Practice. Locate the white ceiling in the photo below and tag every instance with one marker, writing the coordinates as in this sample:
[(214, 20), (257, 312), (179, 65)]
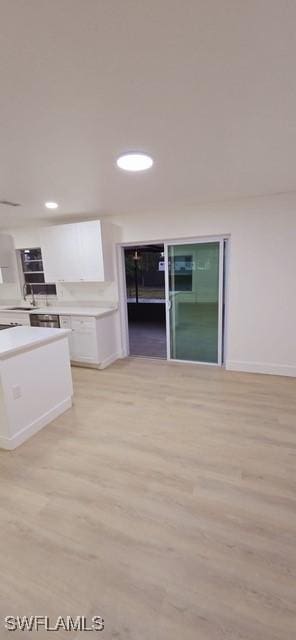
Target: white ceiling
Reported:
[(206, 86)]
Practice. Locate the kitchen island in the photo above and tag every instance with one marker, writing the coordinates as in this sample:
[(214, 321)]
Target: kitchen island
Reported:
[(35, 381)]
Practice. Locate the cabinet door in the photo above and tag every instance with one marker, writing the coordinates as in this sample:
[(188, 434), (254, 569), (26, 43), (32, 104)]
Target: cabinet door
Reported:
[(6, 275), (61, 253), (84, 340), (65, 323), (74, 252), (7, 259), (91, 253)]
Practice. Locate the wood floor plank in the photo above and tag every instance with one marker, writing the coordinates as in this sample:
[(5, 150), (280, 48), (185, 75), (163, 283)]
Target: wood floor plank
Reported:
[(164, 500)]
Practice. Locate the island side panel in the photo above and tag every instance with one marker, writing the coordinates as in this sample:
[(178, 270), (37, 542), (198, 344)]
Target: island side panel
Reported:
[(36, 387), (4, 423), (107, 328)]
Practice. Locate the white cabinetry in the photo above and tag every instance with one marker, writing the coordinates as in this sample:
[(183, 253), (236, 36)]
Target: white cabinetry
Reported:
[(92, 264), (7, 259), (93, 340), (80, 252), (84, 337), (59, 247)]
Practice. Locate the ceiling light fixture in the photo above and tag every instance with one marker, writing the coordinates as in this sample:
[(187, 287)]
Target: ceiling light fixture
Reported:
[(134, 161), (51, 205)]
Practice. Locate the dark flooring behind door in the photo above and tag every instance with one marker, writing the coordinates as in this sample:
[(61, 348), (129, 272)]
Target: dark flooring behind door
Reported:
[(145, 288), (147, 331)]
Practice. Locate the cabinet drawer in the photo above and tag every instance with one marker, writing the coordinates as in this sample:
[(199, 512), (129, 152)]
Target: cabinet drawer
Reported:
[(65, 322), (80, 323)]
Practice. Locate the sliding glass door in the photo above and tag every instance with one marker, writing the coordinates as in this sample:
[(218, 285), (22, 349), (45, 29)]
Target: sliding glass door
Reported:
[(194, 301)]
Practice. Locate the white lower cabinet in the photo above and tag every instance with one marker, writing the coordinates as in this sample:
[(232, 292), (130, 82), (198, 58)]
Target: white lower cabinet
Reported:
[(93, 340), (84, 339)]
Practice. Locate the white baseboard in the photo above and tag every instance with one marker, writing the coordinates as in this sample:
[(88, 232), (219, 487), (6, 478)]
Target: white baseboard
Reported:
[(262, 367), (96, 365), (25, 433), (105, 363)]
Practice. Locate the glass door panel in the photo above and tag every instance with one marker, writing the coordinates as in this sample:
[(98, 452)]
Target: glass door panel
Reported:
[(193, 290)]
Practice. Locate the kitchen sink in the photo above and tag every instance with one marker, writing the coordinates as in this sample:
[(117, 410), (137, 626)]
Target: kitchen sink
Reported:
[(20, 309)]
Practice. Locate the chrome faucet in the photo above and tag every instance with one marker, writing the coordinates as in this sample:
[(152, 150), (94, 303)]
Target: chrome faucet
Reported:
[(25, 293)]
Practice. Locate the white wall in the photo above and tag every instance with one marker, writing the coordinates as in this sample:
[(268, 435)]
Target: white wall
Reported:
[(26, 237), (262, 272)]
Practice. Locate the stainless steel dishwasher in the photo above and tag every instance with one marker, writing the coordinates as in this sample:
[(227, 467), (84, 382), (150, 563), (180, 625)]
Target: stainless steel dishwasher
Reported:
[(45, 320)]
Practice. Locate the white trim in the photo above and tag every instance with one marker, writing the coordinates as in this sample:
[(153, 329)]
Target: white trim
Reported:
[(220, 301), (97, 365), (226, 292), (167, 302), (220, 240), (122, 301), (204, 364), (28, 431), (186, 240), (105, 363), (262, 367)]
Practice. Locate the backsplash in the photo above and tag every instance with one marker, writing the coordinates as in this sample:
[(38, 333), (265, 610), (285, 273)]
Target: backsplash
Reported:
[(97, 292)]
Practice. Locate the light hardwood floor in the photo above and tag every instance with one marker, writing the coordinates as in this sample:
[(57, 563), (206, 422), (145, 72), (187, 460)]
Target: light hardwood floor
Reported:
[(164, 501)]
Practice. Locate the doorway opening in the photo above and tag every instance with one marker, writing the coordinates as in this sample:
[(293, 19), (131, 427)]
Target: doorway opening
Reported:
[(146, 300)]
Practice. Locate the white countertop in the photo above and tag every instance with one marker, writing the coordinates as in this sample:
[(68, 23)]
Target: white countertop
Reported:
[(75, 311), (19, 339), (94, 312)]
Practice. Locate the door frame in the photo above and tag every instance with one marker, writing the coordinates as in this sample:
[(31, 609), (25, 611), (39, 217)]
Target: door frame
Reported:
[(223, 239)]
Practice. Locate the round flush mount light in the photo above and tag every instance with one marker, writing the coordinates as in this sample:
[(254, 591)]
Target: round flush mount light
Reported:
[(134, 161), (51, 205)]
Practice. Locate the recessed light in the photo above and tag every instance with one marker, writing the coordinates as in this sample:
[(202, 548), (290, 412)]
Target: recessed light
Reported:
[(134, 161), (51, 205)]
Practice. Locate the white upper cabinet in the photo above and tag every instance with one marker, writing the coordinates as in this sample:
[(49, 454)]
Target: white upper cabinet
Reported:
[(91, 252), (7, 259), (59, 247), (80, 252)]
